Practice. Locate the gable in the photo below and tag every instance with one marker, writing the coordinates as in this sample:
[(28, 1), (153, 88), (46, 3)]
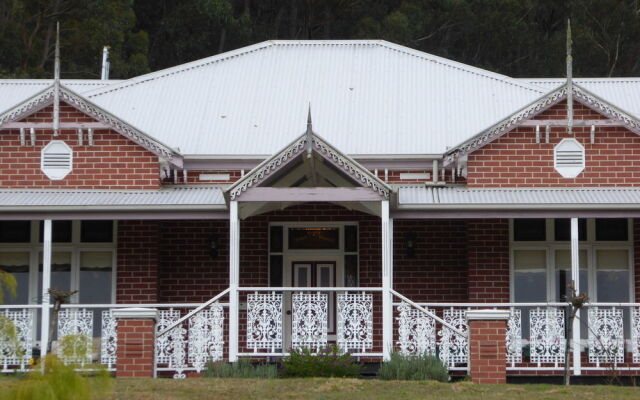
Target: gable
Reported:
[(524, 158), (107, 160)]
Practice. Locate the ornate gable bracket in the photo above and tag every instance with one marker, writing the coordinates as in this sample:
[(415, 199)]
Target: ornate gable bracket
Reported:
[(46, 98), (299, 146), (580, 94), (487, 136)]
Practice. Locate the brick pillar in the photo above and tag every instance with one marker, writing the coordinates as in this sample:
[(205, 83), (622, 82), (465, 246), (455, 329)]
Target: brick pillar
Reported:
[(487, 345), (136, 342)]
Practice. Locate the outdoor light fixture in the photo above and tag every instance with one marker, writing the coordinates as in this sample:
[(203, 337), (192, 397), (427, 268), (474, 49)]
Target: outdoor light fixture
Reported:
[(410, 240), (213, 247)]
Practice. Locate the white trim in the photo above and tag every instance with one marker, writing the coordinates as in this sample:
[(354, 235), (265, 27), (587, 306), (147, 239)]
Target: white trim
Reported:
[(488, 315), (136, 313)]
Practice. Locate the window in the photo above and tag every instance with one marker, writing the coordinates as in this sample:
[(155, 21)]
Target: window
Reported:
[(541, 259), (76, 264), (314, 238), (569, 158), (56, 160)]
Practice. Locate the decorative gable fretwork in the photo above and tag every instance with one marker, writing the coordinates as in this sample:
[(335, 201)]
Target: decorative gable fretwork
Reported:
[(46, 98), (579, 94), (320, 146)]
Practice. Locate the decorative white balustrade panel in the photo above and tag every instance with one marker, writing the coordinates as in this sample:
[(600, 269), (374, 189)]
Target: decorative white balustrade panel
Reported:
[(75, 336), (108, 339), (606, 335), (264, 321), (165, 344), (454, 349), (514, 337), (309, 323), (635, 334), (547, 341), (416, 331), (16, 337), (355, 322), (206, 336)]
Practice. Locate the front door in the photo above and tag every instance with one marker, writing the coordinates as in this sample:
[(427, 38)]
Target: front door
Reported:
[(314, 274)]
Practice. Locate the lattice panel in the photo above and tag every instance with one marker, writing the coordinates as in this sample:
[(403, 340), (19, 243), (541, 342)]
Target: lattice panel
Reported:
[(264, 321), (165, 344), (547, 339), (416, 331), (606, 335), (309, 323), (454, 349), (108, 339), (514, 337), (16, 351), (635, 334), (206, 336), (355, 321), (75, 336)]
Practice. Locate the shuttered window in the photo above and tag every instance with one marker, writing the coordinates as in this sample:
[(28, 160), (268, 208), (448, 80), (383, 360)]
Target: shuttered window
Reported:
[(569, 158), (57, 160)]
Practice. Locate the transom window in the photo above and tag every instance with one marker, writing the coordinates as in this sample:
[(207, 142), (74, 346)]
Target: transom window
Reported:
[(541, 259), (83, 259)]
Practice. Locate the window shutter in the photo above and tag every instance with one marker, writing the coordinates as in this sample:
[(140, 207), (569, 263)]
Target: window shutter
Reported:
[(569, 158), (57, 160)]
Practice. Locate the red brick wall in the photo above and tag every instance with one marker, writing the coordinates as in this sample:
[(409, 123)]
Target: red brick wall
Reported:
[(137, 270), (136, 344), (488, 255), (438, 272), (113, 162), (487, 351), (187, 272), (516, 160)]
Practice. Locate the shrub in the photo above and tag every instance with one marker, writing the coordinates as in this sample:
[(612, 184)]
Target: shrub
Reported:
[(329, 362), (243, 368), (413, 368), (61, 382), (9, 337)]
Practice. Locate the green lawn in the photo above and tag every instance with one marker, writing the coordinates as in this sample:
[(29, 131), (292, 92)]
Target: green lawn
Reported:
[(352, 389)]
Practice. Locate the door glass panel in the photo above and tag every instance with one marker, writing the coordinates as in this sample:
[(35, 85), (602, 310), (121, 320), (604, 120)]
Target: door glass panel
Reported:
[(530, 275), (325, 275), (60, 272), (351, 270), (17, 264), (302, 275), (612, 275)]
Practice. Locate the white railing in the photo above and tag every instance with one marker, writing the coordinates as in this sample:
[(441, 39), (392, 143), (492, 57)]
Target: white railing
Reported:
[(270, 331)]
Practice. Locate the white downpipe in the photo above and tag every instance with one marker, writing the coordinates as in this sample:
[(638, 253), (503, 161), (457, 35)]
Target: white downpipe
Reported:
[(387, 281), (234, 280), (575, 277), (46, 284)]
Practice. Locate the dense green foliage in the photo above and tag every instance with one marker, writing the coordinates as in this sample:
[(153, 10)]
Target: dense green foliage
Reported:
[(60, 382), (330, 362), (513, 37), (414, 368), (243, 368)]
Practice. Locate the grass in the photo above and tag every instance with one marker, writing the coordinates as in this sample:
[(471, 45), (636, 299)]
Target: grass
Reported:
[(356, 389)]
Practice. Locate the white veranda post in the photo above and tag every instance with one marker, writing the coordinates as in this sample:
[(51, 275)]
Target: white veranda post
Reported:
[(387, 281), (46, 284), (234, 279), (575, 278)]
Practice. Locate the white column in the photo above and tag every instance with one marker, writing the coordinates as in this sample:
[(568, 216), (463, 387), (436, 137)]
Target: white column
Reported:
[(234, 279), (46, 284), (575, 278), (387, 281)]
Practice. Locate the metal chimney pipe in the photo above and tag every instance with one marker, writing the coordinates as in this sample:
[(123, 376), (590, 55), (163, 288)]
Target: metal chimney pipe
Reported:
[(105, 63)]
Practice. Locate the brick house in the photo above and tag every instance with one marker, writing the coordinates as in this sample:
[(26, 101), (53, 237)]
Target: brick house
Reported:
[(301, 194)]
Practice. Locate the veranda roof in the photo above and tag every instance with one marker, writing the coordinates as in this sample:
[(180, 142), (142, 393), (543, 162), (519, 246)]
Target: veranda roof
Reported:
[(167, 199), (440, 198)]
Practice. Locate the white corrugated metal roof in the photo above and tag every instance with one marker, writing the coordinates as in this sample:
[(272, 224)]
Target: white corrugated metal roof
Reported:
[(440, 197), (167, 198), (13, 91), (367, 97), (623, 92)]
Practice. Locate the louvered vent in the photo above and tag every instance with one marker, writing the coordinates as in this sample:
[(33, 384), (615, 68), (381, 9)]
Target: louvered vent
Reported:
[(57, 160), (569, 158)]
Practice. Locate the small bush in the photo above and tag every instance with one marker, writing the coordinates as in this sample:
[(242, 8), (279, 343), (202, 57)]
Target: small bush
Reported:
[(329, 362), (243, 368), (413, 368), (61, 382)]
